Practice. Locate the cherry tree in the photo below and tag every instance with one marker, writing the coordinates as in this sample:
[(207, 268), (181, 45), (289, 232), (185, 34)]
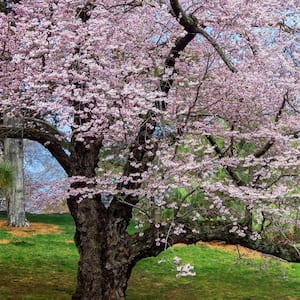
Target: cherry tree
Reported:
[(180, 114)]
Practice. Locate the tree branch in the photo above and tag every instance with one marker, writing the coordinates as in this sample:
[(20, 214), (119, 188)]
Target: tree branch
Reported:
[(229, 170), (138, 149), (190, 24), (45, 126), (49, 141), (145, 246), (270, 143), (218, 49), (278, 178), (285, 27)]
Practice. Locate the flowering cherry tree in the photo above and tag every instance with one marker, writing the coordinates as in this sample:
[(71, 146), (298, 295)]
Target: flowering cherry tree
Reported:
[(180, 114)]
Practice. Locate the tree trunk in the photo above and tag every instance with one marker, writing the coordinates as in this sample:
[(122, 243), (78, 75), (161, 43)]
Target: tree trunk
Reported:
[(104, 267), (3, 205), (13, 149)]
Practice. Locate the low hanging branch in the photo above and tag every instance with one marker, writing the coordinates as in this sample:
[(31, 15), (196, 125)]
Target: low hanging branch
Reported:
[(54, 144), (206, 231)]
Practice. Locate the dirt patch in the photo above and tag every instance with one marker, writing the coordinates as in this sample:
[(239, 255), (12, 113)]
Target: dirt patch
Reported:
[(179, 245), (3, 242), (237, 249), (69, 241), (35, 228)]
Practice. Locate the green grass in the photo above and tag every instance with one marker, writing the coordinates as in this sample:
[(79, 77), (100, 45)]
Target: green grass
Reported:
[(41, 266), (44, 267)]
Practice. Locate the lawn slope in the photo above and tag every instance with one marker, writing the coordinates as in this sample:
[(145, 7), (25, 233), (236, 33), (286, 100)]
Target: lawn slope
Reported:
[(42, 265)]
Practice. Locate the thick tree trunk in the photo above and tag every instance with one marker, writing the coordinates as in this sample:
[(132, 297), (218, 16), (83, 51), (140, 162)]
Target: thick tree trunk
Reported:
[(13, 149), (104, 267)]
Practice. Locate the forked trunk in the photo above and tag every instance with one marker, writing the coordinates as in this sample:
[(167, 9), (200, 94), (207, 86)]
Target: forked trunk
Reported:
[(102, 242)]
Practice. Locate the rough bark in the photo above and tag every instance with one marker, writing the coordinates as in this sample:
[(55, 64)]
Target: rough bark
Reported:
[(103, 244), (101, 238)]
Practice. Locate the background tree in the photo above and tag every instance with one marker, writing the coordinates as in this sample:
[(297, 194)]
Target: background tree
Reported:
[(6, 176), (15, 198), (178, 98), (6, 181)]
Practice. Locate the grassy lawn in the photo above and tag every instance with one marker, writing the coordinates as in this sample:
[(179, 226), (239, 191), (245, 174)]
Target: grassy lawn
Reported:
[(44, 267)]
